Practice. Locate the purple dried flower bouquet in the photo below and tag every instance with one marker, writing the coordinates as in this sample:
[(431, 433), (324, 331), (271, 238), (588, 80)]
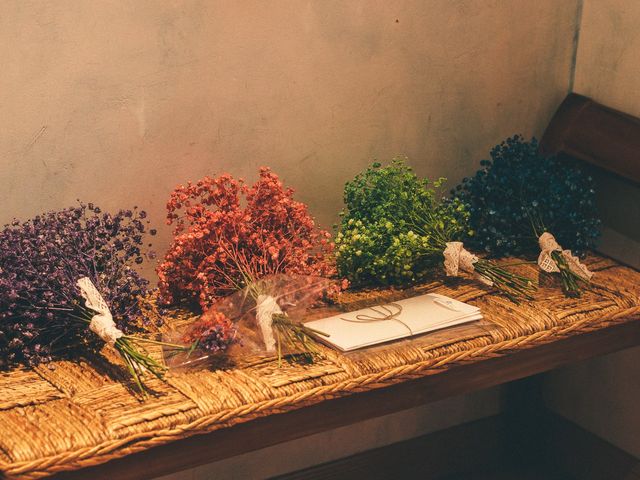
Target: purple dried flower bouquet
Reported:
[(65, 274)]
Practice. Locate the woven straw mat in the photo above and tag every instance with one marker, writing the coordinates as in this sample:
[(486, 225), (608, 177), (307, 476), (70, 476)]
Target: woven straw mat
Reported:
[(70, 415)]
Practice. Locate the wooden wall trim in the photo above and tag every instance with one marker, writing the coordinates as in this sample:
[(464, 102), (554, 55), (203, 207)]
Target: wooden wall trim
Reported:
[(594, 133)]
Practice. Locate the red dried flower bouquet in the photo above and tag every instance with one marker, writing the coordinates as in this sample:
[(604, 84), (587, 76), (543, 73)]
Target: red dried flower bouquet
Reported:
[(257, 241), (228, 235)]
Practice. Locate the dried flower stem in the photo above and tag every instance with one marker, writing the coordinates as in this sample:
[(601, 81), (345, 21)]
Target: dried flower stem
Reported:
[(138, 362), (294, 335), (513, 286), (135, 358), (571, 282)]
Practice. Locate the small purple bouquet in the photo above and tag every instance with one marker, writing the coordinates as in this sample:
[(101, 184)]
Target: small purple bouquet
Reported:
[(67, 286)]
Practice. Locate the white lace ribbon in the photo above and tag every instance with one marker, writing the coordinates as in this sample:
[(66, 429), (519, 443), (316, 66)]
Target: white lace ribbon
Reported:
[(102, 323), (457, 258), (549, 244), (266, 308)]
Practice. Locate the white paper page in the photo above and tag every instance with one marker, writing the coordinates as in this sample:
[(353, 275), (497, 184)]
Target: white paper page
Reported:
[(416, 315)]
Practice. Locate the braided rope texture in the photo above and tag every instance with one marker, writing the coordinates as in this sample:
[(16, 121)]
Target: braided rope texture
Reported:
[(70, 415)]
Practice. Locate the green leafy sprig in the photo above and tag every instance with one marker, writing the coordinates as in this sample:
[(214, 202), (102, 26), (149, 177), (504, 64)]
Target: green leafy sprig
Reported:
[(395, 227)]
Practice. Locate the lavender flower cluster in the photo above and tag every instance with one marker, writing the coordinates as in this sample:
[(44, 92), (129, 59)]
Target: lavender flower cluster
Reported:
[(42, 313)]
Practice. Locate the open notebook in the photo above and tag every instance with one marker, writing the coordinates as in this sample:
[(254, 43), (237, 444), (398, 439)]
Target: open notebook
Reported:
[(392, 321)]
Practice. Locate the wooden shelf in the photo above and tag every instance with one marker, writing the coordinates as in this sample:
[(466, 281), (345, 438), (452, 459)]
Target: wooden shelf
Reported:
[(274, 429)]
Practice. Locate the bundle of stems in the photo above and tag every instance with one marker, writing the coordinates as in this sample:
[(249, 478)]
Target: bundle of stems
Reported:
[(436, 234), (247, 323), (572, 283), (138, 361), (132, 350), (291, 335)]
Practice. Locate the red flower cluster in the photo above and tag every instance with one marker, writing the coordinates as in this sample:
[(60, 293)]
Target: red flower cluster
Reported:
[(213, 333), (228, 235)]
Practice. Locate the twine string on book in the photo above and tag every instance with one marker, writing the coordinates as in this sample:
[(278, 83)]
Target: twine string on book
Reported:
[(389, 311), (548, 245), (101, 323)]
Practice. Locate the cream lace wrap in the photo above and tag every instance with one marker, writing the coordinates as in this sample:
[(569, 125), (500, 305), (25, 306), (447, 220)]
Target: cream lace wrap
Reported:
[(102, 323), (266, 308), (457, 258), (549, 244)]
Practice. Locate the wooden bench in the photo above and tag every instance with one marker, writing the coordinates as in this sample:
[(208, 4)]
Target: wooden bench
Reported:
[(79, 421)]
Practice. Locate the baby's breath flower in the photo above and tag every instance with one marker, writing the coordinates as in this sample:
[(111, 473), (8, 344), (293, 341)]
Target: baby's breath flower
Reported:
[(233, 232), (521, 193), (405, 250), (520, 185), (41, 260), (383, 227)]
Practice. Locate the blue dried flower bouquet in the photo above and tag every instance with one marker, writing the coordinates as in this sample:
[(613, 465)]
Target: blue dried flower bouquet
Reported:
[(521, 200)]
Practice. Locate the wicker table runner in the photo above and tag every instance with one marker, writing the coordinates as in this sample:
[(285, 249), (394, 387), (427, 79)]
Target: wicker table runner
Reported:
[(72, 415)]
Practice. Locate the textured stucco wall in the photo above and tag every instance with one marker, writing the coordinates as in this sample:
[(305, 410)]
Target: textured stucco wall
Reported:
[(608, 60), (117, 102), (602, 394)]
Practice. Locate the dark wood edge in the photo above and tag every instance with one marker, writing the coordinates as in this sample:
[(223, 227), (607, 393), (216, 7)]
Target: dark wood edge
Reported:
[(594, 133), (277, 428), (553, 138)]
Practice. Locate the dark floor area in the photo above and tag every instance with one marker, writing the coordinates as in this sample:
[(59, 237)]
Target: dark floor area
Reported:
[(512, 474), (526, 442)]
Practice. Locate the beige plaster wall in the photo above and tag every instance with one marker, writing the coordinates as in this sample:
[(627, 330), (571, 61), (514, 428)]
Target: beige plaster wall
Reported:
[(608, 60), (117, 102), (602, 394)]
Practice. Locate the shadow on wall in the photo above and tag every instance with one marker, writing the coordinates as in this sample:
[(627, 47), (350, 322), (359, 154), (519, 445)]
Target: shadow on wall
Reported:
[(619, 208)]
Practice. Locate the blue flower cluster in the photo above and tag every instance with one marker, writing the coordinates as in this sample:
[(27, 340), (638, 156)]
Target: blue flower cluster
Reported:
[(519, 192)]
